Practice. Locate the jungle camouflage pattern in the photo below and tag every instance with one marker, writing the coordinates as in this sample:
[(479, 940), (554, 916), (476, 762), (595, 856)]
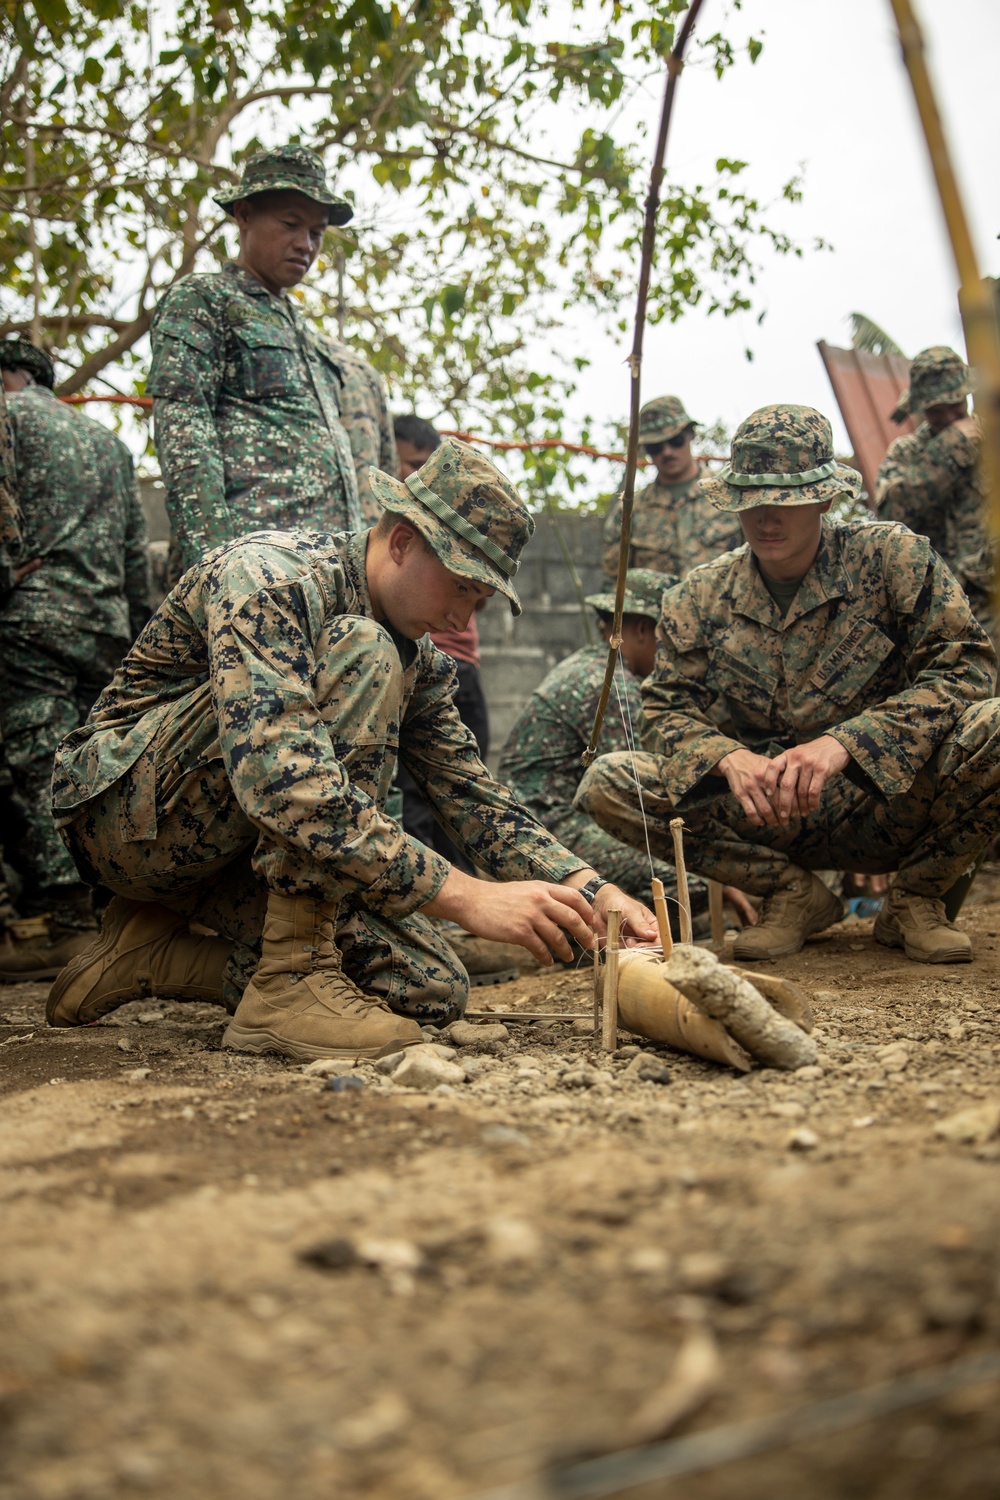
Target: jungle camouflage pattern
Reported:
[(773, 450), (11, 522), (930, 482), (675, 528), (248, 669), (938, 377), (291, 168), (80, 514), (663, 417), (247, 408), (364, 412), (879, 649), (541, 762)]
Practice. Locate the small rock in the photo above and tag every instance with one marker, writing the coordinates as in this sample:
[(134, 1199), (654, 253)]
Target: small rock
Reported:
[(803, 1139), (703, 1270), (421, 1069), (468, 1033), (971, 1127), (648, 1069), (787, 1109), (810, 1074), (582, 1028), (388, 1065), (629, 1050), (512, 1242), (138, 1075), (343, 1083), (323, 1067), (149, 1017), (649, 1260), (579, 1078), (124, 1045), (331, 1255), (503, 1135), (827, 997)]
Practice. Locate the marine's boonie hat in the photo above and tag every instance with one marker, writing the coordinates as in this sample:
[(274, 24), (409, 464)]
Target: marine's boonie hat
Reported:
[(663, 418), (470, 513), (644, 590), (21, 354), (286, 168), (781, 455), (938, 377)]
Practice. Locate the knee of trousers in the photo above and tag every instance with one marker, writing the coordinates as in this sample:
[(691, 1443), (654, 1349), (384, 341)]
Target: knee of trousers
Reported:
[(608, 789)]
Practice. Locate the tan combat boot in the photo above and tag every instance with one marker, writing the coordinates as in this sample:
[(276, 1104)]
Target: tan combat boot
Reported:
[(800, 906), (301, 1003), (919, 925), (37, 948), (141, 950)]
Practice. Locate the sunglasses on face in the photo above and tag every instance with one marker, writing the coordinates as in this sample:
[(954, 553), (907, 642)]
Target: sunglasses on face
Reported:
[(677, 441)]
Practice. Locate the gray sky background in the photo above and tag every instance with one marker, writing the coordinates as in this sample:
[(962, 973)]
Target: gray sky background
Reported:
[(829, 91)]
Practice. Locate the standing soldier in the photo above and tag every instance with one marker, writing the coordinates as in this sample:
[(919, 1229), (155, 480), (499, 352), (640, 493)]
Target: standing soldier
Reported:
[(247, 402), (365, 415), (65, 623), (929, 479), (674, 526)]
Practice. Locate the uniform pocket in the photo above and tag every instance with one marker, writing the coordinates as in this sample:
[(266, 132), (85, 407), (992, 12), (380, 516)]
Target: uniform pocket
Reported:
[(847, 668), (744, 683), (269, 362)]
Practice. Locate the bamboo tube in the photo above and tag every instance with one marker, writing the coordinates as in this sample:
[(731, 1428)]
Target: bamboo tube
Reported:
[(650, 1006), (662, 920), (609, 1028), (683, 894), (715, 911)]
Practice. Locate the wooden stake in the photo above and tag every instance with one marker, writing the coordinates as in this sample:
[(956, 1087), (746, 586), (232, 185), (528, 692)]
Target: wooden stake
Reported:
[(597, 988), (662, 920), (684, 895), (715, 911), (609, 1029)]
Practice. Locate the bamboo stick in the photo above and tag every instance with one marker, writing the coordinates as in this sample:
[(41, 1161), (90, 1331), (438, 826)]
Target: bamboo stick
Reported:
[(683, 893), (662, 919), (609, 1029), (715, 911)]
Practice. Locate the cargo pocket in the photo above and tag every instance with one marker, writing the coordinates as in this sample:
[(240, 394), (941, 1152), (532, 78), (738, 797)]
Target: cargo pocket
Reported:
[(850, 667), (745, 686), (181, 348), (269, 362)]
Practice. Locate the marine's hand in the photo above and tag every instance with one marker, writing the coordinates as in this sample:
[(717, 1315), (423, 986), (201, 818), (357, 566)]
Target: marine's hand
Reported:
[(745, 773), (969, 425), (736, 898), (638, 922), (535, 913), (794, 780)]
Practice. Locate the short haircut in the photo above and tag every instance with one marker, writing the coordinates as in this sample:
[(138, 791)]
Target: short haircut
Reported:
[(409, 428), (390, 518)]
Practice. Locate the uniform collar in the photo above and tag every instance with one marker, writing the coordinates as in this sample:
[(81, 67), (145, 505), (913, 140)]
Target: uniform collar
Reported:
[(248, 283), (826, 579), (353, 558)]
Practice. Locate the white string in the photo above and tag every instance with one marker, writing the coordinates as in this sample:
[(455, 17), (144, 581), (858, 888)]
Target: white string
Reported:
[(625, 714)]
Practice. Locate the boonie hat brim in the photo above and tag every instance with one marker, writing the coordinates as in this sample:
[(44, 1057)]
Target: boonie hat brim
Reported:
[(666, 430), (341, 212), (457, 556), (728, 496), (605, 603)]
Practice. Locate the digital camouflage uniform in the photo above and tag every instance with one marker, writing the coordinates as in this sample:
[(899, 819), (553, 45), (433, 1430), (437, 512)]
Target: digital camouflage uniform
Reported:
[(674, 526), (365, 415), (247, 400), (930, 481), (10, 551), (65, 627), (542, 761), (247, 745), (879, 649)]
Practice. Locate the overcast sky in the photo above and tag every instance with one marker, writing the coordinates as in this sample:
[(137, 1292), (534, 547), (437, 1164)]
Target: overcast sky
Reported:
[(830, 91)]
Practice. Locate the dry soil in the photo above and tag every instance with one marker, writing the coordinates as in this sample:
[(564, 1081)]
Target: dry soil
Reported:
[(225, 1280)]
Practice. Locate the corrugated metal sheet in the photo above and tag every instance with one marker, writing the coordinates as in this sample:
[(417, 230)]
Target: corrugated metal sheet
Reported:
[(867, 387)]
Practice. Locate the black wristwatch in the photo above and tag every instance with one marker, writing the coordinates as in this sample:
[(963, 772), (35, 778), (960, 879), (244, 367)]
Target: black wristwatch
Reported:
[(592, 887)]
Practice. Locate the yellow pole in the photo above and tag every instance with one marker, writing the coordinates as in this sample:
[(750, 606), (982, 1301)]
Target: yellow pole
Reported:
[(976, 299)]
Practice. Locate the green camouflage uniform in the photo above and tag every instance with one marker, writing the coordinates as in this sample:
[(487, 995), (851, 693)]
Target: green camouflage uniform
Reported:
[(930, 481), (542, 759), (64, 628), (247, 400), (674, 526), (10, 551), (248, 744), (879, 649), (365, 415)]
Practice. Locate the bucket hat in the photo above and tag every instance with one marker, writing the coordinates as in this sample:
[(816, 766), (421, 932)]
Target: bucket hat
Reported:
[(662, 418), (781, 455), (644, 590), (470, 514), (938, 376), (21, 354), (288, 167)]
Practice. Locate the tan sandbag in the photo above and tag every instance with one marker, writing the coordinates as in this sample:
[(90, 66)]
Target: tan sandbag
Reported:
[(730, 999), (650, 1006)]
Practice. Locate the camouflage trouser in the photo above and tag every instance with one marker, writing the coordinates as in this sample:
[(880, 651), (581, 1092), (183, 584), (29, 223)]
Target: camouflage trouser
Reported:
[(209, 860), (51, 682), (931, 834)]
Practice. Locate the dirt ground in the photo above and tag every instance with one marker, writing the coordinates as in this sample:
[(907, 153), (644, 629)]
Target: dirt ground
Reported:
[(223, 1278)]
